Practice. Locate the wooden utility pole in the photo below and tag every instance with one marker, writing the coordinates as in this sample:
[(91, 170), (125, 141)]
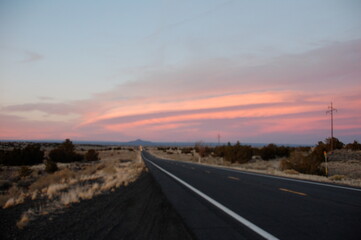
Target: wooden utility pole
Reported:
[(219, 139), (330, 111)]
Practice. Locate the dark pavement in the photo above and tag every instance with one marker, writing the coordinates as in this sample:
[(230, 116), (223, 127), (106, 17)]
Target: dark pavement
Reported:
[(281, 207)]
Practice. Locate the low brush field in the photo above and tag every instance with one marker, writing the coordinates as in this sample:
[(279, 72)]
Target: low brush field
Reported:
[(112, 198)]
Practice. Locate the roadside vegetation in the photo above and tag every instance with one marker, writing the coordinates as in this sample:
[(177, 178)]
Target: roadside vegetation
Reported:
[(56, 176), (302, 162)]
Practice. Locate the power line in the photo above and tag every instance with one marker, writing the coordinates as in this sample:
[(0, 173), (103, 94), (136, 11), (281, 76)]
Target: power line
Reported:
[(330, 111)]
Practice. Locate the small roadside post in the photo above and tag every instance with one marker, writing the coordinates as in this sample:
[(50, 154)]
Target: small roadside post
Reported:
[(325, 154), (139, 153)]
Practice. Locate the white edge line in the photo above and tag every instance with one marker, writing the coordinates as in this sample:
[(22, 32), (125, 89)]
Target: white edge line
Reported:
[(240, 219)]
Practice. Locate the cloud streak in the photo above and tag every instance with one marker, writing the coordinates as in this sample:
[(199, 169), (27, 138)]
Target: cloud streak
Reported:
[(49, 108), (31, 57)]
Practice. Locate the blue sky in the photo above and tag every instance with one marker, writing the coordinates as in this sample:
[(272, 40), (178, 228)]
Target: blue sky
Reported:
[(71, 55)]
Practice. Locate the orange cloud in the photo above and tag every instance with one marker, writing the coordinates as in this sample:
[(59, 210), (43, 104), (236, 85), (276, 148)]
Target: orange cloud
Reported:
[(195, 104), (230, 114)]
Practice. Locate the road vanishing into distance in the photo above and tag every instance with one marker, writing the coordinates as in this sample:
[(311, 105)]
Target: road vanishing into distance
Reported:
[(221, 203)]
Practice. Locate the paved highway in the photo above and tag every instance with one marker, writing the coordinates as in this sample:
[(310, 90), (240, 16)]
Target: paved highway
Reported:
[(220, 203)]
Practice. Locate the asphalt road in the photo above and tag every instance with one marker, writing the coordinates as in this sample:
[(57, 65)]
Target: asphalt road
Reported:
[(220, 203)]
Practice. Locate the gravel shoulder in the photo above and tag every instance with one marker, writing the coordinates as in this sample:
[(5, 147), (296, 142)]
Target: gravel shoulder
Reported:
[(137, 211)]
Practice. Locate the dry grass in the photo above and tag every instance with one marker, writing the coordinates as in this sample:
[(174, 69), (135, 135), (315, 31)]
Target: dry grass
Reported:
[(73, 182), (337, 177), (24, 220), (62, 175), (348, 168), (291, 171)]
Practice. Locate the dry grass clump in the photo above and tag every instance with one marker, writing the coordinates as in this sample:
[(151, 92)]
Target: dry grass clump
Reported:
[(53, 189), (24, 219), (14, 196), (291, 171), (92, 169), (337, 177), (57, 177)]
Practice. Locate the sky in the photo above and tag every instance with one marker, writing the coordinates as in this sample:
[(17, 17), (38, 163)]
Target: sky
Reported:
[(182, 71)]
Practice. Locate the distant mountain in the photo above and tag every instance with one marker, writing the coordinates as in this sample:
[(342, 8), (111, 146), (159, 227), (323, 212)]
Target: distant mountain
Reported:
[(139, 142)]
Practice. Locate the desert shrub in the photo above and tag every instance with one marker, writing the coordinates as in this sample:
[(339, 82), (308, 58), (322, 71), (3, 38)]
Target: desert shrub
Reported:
[(239, 153), (318, 152), (65, 153), (186, 150), (337, 144), (310, 163), (200, 149), (33, 154), (67, 146), (243, 153), (57, 155), (30, 155), (24, 171), (355, 146), (236, 153), (269, 152), (283, 151), (2, 156), (303, 163), (4, 185), (272, 151), (12, 158), (203, 150), (220, 151), (50, 166), (91, 155)]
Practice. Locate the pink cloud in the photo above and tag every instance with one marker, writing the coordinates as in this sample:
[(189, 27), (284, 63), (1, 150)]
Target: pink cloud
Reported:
[(13, 127)]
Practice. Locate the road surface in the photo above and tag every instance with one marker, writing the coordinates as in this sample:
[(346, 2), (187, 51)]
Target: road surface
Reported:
[(220, 203)]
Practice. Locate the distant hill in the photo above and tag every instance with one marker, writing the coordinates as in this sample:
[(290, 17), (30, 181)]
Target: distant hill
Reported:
[(139, 142)]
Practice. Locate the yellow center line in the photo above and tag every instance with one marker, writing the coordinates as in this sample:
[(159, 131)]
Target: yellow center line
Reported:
[(290, 191), (234, 178)]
